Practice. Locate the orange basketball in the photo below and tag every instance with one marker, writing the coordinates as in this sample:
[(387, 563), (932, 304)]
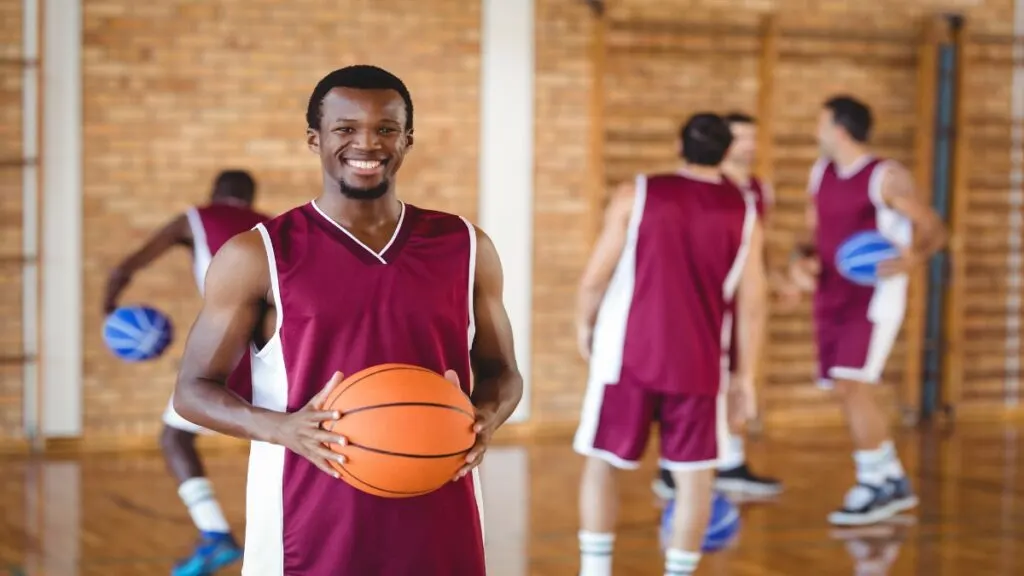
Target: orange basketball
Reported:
[(408, 430)]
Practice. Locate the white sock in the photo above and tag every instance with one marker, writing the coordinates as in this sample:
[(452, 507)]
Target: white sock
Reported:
[(733, 455), (893, 467), (871, 465), (197, 494), (596, 553), (680, 563)]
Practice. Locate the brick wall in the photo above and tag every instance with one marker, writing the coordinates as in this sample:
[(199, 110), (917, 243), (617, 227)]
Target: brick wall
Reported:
[(10, 219), (175, 91)]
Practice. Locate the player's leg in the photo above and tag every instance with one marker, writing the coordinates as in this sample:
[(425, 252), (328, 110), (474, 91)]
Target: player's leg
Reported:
[(692, 427), (216, 547), (883, 489), (614, 425), (734, 474)]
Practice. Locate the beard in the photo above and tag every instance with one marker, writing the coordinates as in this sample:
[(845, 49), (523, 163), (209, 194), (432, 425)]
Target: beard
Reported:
[(371, 193)]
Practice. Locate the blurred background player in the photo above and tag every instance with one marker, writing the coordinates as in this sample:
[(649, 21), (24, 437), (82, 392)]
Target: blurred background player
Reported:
[(203, 229), (651, 317), (856, 326), (734, 475)]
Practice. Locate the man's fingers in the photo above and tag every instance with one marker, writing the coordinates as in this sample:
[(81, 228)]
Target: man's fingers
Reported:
[(321, 396), (453, 377), (325, 437)]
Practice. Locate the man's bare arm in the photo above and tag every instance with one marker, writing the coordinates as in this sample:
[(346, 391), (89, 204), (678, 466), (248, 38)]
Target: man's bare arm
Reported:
[(176, 232), (601, 266), (498, 384), (752, 306), (899, 193), (237, 283)]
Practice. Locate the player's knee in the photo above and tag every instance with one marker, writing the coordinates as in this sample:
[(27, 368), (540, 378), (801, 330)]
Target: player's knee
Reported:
[(173, 440), (848, 390), (597, 470)]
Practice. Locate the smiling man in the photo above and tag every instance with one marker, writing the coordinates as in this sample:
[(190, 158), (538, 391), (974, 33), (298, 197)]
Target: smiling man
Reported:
[(350, 280)]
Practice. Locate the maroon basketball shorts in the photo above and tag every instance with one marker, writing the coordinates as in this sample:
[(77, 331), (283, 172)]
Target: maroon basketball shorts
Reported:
[(851, 346), (616, 419)]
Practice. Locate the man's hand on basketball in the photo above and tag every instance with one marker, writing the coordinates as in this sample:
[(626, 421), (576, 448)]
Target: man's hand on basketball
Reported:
[(302, 431), (484, 426), (906, 262)]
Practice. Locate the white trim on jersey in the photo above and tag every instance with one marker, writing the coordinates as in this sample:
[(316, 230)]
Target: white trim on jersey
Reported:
[(732, 279), (377, 255), (609, 337), (817, 174), (470, 337), (201, 256), (264, 498), (883, 337)]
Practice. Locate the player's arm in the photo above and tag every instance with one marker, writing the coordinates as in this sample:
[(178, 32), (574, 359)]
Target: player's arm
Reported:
[(602, 263), (497, 383), (236, 298), (752, 315), (237, 283), (175, 232), (803, 261), (898, 192)]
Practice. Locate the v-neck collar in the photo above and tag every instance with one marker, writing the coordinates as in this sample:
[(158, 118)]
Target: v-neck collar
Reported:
[(357, 246)]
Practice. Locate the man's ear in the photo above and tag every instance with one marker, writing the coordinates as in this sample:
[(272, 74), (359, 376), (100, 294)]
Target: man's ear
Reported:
[(313, 140)]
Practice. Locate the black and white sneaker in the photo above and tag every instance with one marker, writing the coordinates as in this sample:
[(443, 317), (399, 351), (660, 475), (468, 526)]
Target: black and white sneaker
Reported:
[(742, 480), (664, 486), (865, 504), (903, 497)]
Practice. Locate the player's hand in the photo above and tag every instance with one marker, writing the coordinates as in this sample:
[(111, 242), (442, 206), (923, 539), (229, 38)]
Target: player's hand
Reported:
[(803, 273), (742, 401), (116, 284), (484, 426), (584, 340), (904, 263), (302, 431)]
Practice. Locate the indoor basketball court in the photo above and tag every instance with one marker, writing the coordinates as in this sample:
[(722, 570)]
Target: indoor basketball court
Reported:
[(118, 115)]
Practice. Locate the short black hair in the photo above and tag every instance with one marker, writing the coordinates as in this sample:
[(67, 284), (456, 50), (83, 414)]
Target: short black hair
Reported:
[(852, 114), (738, 118), (706, 138), (235, 184), (360, 77)]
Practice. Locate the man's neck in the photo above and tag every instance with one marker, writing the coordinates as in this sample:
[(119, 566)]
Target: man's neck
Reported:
[(737, 173), (710, 173), (354, 213), (847, 156)]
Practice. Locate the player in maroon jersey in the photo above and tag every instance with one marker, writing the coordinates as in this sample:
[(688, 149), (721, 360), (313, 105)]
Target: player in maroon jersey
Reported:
[(203, 229), (352, 279), (652, 321), (734, 475), (856, 326)]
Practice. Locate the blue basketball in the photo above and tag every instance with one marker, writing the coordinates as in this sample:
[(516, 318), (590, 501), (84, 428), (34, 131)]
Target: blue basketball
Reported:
[(722, 528), (858, 257), (137, 333)]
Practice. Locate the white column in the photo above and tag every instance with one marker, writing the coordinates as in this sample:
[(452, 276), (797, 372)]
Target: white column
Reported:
[(53, 513), (506, 161), (505, 477), (1015, 256), (61, 354)]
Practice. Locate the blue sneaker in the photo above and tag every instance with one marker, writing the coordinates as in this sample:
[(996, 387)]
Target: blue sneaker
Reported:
[(214, 551)]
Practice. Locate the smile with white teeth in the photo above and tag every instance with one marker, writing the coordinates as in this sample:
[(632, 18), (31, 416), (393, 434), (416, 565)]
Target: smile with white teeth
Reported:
[(363, 164)]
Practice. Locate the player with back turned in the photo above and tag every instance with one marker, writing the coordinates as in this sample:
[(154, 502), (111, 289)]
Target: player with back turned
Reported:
[(652, 319)]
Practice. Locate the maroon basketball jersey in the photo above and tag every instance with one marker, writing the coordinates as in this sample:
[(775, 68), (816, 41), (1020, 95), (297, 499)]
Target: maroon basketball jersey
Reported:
[(342, 306), (212, 226), (660, 325), (761, 193), (847, 202)]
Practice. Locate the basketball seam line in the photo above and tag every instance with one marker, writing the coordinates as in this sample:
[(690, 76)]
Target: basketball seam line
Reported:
[(361, 481), (374, 373), (404, 455), (402, 404)]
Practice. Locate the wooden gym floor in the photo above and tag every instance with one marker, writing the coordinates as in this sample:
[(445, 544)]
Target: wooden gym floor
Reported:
[(120, 515)]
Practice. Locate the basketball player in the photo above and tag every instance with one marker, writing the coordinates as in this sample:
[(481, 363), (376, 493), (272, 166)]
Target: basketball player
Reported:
[(350, 280), (851, 191), (652, 321), (204, 229), (733, 474)]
